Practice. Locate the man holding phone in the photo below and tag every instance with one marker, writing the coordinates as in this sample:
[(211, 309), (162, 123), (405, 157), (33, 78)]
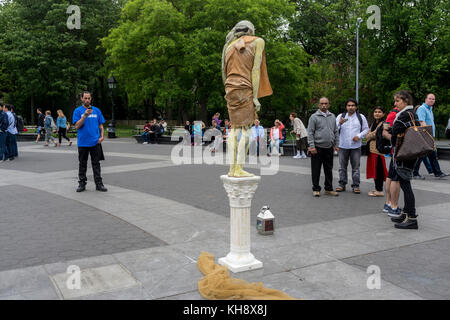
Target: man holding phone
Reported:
[(89, 121), (353, 127)]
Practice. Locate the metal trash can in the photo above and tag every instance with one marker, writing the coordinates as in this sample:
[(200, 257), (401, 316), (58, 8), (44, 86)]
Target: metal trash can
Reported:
[(111, 130)]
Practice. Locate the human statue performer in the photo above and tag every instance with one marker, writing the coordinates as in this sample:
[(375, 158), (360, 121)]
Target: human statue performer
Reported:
[(245, 77)]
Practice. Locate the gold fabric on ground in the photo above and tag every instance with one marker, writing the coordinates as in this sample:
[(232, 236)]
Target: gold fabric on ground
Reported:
[(238, 85), (217, 284)]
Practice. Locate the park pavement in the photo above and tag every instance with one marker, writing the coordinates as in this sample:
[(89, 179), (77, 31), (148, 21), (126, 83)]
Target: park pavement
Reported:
[(142, 238)]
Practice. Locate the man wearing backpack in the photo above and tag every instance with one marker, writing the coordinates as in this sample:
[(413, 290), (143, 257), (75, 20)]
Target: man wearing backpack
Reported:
[(3, 129), (352, 128), (49, 125)]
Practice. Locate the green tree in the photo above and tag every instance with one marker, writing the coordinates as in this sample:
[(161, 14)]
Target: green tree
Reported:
[(48, 63), (169, 53)]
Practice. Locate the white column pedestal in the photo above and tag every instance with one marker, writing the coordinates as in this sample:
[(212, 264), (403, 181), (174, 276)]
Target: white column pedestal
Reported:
[(240, 192)]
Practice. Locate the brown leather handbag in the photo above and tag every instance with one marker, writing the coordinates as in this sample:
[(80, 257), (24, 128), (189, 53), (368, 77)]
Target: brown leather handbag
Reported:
[(415, 142), (373, 143)]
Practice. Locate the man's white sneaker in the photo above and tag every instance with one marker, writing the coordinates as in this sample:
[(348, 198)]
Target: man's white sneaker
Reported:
[(297, 156), (145, 143)]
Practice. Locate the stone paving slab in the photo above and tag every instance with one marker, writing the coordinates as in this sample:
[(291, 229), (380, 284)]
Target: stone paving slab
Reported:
[(95, 281), (340, 280), (423, 268)]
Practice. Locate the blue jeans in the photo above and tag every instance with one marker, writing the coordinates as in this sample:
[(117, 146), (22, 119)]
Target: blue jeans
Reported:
[(354, 155), (3, 150), (434, 164), (145, 136), (11, 145)]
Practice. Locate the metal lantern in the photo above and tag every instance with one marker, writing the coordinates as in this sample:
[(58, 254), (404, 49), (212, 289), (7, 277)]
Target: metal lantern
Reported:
[(265, 221)]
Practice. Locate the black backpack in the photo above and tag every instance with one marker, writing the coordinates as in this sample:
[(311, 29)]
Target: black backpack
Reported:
[(383, 145), (19, 123)]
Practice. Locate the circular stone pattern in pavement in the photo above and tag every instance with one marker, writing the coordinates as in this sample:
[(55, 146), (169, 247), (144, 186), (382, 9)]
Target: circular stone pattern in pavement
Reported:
[(65, 230)]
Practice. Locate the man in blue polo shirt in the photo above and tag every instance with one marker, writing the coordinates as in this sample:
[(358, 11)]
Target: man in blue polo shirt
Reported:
[(89, 121), (425, 114)]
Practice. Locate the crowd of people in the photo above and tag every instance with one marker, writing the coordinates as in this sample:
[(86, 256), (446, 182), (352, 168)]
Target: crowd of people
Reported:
[(325, 135), (344, 133), (9, 123), (153, 130), (47, 127)]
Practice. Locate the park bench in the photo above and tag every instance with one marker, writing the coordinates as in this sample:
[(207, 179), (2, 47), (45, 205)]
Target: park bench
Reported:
[(138, 129), (443, 152), (164, 139)]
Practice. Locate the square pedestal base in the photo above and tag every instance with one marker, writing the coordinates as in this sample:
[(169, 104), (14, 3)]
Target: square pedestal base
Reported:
[(235, 268)]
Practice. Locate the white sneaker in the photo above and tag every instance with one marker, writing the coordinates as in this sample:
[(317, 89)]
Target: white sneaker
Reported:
[(297, 157), (303, 156), (145, 143)]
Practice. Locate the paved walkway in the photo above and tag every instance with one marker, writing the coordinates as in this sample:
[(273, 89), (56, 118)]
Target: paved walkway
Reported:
[(141, 239)]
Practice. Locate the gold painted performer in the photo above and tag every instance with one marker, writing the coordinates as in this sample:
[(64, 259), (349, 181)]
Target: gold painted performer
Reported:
[(245, 77)]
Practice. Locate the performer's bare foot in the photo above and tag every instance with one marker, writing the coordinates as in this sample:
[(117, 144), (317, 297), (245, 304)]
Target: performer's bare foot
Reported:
[(239, 173)]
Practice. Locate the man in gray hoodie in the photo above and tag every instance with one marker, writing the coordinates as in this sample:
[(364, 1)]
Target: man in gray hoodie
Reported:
[(323, 139)]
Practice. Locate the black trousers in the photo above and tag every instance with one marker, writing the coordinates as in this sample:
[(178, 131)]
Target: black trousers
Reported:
[(62, 134), (323, 157), (379, 180), (83, 153), (154, 137), (410, 200)]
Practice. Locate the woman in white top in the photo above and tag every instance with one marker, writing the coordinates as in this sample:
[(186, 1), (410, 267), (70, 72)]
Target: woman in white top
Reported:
[(301, 136), (275, 136)]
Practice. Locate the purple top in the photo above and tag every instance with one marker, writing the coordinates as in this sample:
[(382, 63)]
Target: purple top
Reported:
[(217, 121)]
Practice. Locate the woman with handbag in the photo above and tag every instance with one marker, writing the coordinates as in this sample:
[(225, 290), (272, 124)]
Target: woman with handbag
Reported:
[(405, 118), (376, 164)]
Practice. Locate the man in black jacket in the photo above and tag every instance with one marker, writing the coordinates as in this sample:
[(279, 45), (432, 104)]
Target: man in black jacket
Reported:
[(40, 129)]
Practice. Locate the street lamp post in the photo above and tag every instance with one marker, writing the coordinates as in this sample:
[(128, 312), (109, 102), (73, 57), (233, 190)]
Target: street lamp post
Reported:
[(112, 83), (358, 23)]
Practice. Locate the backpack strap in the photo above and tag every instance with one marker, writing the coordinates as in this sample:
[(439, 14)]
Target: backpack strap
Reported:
[(343, 114), (360, 120)]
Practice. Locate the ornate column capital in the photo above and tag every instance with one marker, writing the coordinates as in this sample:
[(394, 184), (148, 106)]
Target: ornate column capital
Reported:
[(240, 190)]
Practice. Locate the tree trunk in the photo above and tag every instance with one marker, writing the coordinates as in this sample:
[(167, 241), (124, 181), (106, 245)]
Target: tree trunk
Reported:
[(152, 107), (182, 112), (203, 109), (32, 109), (72, 104)]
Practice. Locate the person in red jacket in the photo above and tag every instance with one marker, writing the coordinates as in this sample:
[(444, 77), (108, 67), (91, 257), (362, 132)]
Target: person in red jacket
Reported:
[(276, 136)]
